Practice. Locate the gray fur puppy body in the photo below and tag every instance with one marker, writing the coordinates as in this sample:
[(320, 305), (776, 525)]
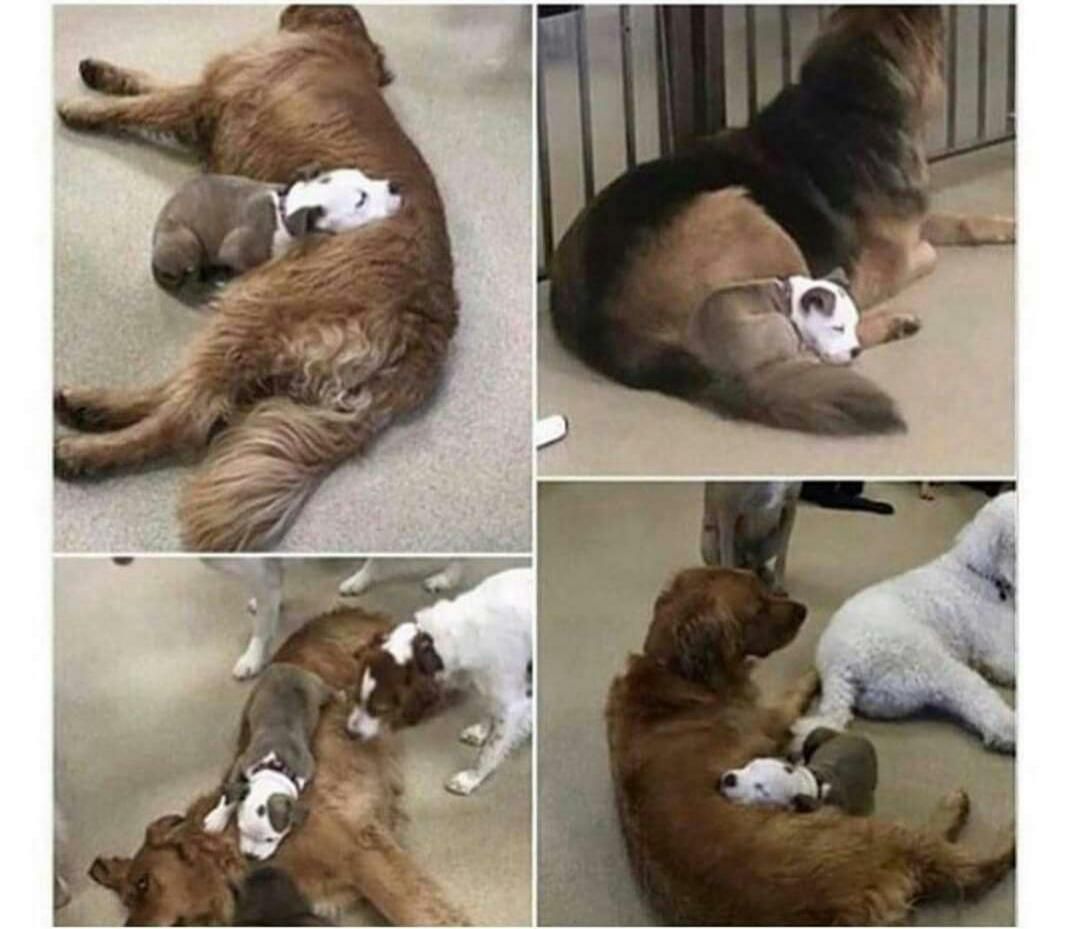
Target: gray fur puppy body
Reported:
[(217, 221), (845, 767)]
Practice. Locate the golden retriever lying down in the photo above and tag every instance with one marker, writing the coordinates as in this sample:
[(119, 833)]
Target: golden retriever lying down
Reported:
[(684, 712)]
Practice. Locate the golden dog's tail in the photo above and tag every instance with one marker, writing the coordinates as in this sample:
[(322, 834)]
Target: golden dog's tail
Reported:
[(262, 469), (808, 395)]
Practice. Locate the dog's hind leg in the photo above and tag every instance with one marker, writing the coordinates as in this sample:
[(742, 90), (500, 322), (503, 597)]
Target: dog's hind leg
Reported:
[(950, 815), (876, 327), (945, 868), (94, 409), (961, 692), (120, 82), (174, 113), (393, 883), (182, 422), (959, 229)]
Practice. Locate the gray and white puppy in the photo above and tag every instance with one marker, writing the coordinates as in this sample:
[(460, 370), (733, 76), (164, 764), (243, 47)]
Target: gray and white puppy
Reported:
[(232, 223), (747, 524), (264, 785), (838, 769)]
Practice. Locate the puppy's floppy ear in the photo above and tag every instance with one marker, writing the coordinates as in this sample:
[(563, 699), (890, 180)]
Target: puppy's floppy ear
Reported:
[(816, 739), (424, 654), (779, 292), (804, 803), (110, 872), (279, 809), (838, 276), (236, 792), (304, 221)]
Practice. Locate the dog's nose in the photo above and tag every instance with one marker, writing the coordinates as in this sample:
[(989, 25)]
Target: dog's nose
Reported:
[(856, 351), (729, 780), (394, 188), (800, 610)]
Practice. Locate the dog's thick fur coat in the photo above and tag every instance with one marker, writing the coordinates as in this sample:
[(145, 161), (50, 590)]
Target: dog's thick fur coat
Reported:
[(832, 173), (934, 637), (308, 357), (346, 849), (684, 712)]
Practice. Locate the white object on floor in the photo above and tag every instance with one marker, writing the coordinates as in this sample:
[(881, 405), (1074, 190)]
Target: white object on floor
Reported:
[(549, 429)]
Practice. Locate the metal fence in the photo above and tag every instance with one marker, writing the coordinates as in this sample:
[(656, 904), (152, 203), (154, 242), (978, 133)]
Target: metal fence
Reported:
[(617, 85)]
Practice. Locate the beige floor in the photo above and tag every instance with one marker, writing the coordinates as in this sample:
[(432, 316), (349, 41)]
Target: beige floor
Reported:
[(605, 551), (953, 381), (454, 477), (146, 718)]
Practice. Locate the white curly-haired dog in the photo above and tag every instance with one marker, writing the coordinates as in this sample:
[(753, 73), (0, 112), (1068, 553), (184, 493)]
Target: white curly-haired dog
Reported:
[(934, 637)]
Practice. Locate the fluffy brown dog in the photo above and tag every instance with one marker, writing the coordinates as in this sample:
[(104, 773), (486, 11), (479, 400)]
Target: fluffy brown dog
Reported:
[(832, 173), (308, 357), (684, 712), (344, 852)]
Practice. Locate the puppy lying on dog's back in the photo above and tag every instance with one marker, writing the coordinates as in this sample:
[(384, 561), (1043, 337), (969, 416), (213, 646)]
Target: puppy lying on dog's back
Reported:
[(223, 221)]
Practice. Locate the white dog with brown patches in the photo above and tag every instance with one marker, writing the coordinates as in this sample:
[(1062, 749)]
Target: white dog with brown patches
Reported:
[(483, 638)]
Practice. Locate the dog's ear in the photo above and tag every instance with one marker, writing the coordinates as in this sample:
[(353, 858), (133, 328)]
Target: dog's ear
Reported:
[(424, 654), (418, 699), (779, 292), (306, 172), (804, 803), (774, 626), (816, 739), (236, 792), (304, 221), (300, 813), (839, 277), (818, 300), (164, 829), (279, 808), (110, 872)]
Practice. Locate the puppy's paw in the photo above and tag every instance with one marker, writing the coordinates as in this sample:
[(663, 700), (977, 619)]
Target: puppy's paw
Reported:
[(252, 661), (475, 735), (463, 783), (218, 818)]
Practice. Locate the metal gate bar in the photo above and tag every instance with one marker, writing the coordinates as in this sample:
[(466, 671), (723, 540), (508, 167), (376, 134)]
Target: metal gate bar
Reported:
[(697, 93)]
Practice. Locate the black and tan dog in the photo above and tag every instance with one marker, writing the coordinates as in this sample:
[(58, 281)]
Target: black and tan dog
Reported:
[(832, 173)]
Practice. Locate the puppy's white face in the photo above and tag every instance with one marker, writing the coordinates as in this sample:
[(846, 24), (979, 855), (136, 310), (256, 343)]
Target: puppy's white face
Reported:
[(826, 318), (259, 838), (348, 199), (764, 782)]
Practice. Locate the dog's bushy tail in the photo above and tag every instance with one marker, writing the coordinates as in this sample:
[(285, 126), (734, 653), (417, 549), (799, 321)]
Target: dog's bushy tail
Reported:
[(261, 470), (807, 395)]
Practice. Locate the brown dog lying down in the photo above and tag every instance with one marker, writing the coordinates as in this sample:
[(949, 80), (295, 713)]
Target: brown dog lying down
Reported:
[(308, 357), (344, 852), (684, 712)]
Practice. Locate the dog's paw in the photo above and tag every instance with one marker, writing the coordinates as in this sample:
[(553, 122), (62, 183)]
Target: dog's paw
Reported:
[(463, 783), (253, 660), (903, 326), (1002, 739), (94, 73), (218, 818), (253, 606), (74, 114), (75, 415), (475, 735), (354, 586), (67, 464), (441, 582)]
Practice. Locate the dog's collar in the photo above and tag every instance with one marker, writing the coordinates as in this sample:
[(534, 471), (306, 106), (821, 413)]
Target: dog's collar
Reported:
[(1004, 588), (282, 201)]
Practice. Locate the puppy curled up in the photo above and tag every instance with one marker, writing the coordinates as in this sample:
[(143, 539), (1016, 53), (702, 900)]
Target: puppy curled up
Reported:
[(264, 785), (231, 223)]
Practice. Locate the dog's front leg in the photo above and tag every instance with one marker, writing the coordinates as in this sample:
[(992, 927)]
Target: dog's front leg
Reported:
[(173, 112), (960, 229), (356, 584), (507, 732), (265, 622), (792, 704)]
